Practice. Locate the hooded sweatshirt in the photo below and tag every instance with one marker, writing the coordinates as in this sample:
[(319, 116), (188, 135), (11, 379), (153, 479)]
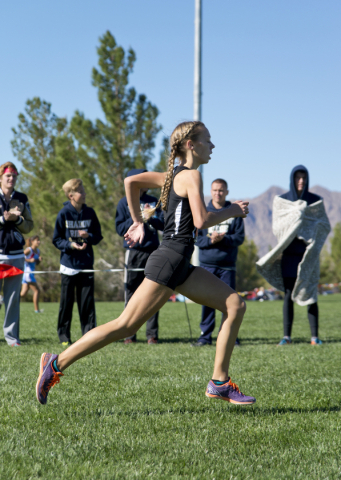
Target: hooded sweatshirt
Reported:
[(293, 254), (222, 254), (68, 222), (123, 220)]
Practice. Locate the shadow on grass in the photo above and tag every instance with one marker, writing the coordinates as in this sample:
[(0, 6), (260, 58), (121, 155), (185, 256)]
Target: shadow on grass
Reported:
[(250, 410), (33, 341), (168, 340), (274, 341)]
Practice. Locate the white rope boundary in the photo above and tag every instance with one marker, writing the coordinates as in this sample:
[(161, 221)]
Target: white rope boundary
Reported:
[(114, 270)]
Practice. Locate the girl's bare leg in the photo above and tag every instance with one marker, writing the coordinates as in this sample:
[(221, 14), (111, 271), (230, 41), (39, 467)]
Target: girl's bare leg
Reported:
[(204, 288), (35, 296), (146, 301), (24, 289)]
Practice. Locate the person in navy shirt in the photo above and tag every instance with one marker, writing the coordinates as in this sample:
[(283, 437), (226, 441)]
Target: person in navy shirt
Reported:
[(77, 229), (137, 257), (218, 249)]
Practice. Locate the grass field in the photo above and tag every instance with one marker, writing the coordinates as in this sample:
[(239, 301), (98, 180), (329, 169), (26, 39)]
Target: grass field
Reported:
[(139, 411)]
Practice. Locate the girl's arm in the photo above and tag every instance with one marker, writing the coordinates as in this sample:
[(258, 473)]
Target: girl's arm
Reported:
[(133, 185), (202, 218)]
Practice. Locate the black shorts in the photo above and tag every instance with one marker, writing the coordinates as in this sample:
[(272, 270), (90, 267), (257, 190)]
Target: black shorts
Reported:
[(168, 267)]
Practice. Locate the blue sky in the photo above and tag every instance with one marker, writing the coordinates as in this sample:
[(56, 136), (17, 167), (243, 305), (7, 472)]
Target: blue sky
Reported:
[(271, 76)]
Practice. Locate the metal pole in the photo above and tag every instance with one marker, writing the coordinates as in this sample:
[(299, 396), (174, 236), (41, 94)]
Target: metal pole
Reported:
[(197, 61), (197, 87), (189, 323)]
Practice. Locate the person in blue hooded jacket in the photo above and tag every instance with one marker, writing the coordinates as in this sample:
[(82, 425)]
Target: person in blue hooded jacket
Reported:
[(293, 255), (218, 250), (137, 256), (77, 229)]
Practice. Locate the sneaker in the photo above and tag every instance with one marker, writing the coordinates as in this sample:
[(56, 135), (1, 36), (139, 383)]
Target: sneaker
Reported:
[(199, 344), (15, 344), (152, 341), (47, 377), (127, 341), (284, 341), (230, 392), (39, 311), (66, 344), (316, 341), (237, 342)]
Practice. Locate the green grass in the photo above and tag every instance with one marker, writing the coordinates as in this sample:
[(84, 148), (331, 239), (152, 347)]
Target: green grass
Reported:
[(139, 411)]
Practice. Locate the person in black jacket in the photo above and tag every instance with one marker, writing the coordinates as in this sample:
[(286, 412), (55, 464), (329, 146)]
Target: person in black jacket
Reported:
[(137, 257), (218, 249), (77, 229), (293, 255), (15, 219)]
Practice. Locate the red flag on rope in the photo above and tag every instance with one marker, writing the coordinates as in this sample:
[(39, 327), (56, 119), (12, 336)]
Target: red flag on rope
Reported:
[(9, 270)]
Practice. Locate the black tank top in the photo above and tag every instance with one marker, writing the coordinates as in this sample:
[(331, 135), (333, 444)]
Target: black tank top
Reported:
[(179, 227)]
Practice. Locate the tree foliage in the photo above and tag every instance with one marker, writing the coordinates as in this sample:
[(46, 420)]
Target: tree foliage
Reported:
[(247, 277), (330, 265), (100, 152)]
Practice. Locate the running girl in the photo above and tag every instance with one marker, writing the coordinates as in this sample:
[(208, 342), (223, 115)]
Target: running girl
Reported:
[(168, 268), (32, 258)]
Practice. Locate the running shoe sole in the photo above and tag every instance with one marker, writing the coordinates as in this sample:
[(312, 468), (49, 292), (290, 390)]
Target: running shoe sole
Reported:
[(43, 362), (228, 399)]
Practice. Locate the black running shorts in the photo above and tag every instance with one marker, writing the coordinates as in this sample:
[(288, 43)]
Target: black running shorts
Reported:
[(168, 267)]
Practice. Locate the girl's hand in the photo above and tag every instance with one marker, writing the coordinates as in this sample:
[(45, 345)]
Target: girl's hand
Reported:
[(241, 208), (135, 234), (83, 233)]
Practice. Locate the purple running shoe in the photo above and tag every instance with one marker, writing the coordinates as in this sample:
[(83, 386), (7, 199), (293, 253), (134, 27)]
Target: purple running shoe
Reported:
[(47, 377), (230, 392)]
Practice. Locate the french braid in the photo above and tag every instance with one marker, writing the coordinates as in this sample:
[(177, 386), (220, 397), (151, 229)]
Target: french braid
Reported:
[(185, 130)]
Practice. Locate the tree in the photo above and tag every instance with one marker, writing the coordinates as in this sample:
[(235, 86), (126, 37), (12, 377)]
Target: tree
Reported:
[(247, 277), (101, 152), (162, 165), (125, 140), (336, 252), (38, 141), (330, 263)]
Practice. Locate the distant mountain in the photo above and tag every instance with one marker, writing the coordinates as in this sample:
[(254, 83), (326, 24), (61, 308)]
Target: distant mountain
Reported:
[(258, 224)]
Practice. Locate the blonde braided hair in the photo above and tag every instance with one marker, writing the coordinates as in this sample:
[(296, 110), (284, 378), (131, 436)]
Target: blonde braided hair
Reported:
[(184, 131)]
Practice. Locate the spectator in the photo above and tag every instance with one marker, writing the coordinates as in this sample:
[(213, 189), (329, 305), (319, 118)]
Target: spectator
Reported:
[(301, 226), (77, 229), (218, 253), (15, 219), (137, 256), (32, 258)]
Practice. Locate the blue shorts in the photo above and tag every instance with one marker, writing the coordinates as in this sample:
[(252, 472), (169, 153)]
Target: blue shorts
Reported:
[(28, 278)]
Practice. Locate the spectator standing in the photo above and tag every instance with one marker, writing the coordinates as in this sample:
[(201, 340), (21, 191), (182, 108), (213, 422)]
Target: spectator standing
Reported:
[(15, 219), (32, 258), (137, 256), (301, 226), (218, 250), (77, 229)]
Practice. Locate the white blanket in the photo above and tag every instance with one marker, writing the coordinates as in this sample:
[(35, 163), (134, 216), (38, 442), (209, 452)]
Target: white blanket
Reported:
[(308, 223)]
